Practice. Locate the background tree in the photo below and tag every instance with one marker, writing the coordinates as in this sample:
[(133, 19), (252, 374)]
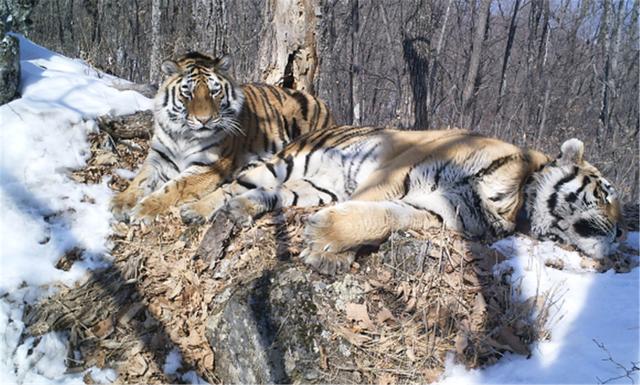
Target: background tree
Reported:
[(531, 72)]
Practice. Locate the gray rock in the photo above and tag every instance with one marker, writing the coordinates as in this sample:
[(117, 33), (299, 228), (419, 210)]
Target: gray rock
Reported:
[(268, 331), (16, 15), (9, 68)]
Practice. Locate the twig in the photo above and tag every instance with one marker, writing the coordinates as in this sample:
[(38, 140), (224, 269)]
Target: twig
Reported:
[(627, 372), (15, 112)]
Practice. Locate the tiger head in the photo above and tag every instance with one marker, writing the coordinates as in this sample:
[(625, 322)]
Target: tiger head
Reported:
[(197, 95), (569, 201)]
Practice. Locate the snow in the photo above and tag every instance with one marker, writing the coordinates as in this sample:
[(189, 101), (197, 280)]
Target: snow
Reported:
[(191, 377), (43, 135), (602, 308), (124, 173), (173, 362)]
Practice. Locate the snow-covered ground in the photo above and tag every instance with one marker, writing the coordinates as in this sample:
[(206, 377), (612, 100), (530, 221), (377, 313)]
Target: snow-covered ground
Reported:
[(592, 308), (44, 213)]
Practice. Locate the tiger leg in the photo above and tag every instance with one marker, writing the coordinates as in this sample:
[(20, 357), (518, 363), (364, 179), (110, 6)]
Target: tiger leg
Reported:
[(265, 175), (333, 233), (303, 193), (204, 209), (145, 182), (191, 184)]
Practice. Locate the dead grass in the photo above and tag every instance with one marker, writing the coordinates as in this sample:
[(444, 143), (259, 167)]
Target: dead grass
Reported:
[(429, 295)]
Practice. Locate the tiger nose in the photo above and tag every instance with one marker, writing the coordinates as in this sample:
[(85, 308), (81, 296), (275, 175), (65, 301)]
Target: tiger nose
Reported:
[(203, 119)]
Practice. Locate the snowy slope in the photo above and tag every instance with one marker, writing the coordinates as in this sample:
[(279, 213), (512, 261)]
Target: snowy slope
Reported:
[(592, 307), (44, 213)]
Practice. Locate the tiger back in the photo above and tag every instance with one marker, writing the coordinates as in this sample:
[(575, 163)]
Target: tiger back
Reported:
[(207, 128)]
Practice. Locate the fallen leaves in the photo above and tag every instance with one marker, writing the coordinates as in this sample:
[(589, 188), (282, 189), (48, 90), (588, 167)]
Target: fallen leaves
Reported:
[(69, 258), (358, 312), (416, 309), (356, 339), (386, 379), (104, 158), (103, 328), (137, 365), (384, 315), (510, 341)]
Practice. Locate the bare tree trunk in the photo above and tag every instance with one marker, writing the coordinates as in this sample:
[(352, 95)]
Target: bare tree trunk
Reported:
[(468, 94), (355, 65), (416, 49), (542, 77), (532, 97), (154, 62), (615, 58), (507, 52), (605, 42), (435, 63), (569, 84)]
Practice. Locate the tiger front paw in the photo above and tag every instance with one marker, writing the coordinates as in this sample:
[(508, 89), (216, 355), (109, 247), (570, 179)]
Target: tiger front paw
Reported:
[(327, 250), (242, 210), (122, 203), (328, 262), (148, 208), (204, 209)]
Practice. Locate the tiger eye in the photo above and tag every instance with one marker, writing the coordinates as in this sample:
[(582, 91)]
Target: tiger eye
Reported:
[(185, 91)]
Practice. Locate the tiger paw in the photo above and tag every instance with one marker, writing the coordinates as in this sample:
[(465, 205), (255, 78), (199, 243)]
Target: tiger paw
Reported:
[(320, 231), (327, 262), (148, 209), (121, 205), (242, 210), (194, 213)]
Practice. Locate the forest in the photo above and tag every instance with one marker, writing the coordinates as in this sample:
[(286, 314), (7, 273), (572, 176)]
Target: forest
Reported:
[(531, 72)]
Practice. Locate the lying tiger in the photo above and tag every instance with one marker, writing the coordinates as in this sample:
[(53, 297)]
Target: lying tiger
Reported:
[(207, 128), (382, 180)]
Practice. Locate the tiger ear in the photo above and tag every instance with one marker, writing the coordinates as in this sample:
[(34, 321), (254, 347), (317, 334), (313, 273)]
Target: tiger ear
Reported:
[(169, 67), (571, 152), (223, 63)]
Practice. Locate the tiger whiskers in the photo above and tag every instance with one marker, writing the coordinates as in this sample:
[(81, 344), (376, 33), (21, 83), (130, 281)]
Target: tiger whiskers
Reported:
[(231, 126)]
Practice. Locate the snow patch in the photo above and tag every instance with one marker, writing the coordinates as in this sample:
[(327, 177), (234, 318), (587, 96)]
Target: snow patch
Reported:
[(191, 377), (125, 174), (44, 213), (592, 308), (173, 362)]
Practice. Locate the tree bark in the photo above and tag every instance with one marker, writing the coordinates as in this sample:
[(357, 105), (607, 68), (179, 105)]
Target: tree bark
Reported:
[(513, 25), (468, 94), (436, 63)]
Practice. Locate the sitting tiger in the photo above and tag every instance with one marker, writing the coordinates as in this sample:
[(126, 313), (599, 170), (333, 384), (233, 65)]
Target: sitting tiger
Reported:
[(206, 129), (383, 180)]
